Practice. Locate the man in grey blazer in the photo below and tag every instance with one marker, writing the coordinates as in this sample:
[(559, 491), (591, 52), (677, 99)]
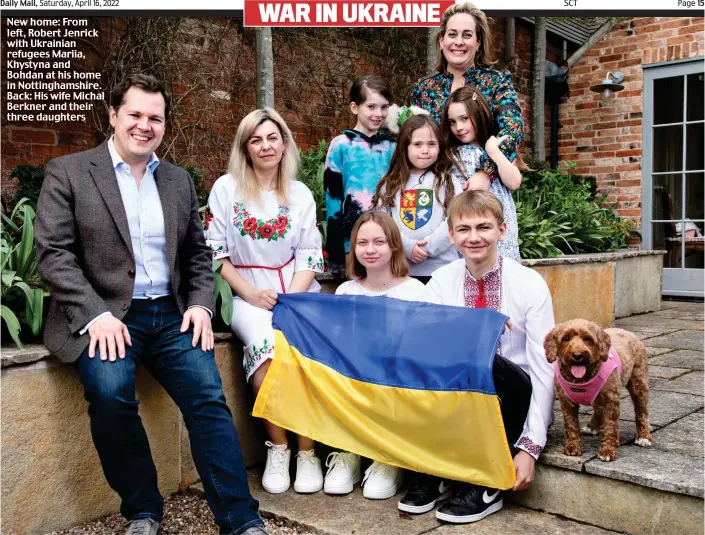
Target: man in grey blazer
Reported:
[(120, 244)]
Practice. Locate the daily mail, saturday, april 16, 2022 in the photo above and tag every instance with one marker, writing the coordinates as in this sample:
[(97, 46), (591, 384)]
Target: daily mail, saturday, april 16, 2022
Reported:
[(63, 4)]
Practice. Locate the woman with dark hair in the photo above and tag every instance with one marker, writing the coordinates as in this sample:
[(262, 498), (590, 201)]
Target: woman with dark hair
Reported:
[(464, 57)]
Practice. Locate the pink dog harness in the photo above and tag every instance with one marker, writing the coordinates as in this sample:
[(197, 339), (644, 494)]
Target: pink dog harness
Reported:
[(585, 393)]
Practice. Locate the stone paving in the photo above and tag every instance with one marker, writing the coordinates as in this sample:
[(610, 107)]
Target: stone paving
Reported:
[(673, 338)]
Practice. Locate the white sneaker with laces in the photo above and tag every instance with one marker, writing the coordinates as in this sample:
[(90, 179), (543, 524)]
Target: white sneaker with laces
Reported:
[(276, 477), (343, 472), (381, 481), (309, 476)]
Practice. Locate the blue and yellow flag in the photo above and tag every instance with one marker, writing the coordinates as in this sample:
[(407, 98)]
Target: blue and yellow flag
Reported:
[(405, 383)]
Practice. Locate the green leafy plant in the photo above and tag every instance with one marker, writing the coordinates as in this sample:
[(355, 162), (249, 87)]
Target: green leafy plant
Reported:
[(311, 173), (559, 213), (29, 179), (23, 292), (197, 178), (223, 294)]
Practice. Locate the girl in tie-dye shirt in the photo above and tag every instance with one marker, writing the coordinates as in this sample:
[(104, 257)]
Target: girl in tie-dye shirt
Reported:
[(357, 160)]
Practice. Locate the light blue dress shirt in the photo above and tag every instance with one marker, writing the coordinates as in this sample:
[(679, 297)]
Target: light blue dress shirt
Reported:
[(146, 221)]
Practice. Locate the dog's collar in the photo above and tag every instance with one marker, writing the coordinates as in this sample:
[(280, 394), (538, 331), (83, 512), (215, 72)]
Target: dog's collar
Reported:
[(585, 393)]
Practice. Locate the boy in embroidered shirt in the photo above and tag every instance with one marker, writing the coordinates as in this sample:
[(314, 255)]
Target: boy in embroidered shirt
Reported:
[(523, 378)]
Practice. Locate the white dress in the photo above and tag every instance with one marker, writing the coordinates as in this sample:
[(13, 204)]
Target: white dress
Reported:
[(267, 243), (411, 290)]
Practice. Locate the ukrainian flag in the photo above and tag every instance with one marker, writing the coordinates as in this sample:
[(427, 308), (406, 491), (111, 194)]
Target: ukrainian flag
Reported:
[(408, 384)]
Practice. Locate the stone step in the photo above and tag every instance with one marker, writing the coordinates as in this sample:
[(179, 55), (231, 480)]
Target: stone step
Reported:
[(355, 515), (645, 490)]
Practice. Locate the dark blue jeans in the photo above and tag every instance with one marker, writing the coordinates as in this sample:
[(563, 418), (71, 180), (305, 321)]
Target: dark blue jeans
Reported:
[(191, 378)]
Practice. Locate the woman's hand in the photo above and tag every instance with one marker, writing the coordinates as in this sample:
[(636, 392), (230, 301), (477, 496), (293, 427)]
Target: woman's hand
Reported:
[(265, 299), (479, 181), (418, 254), (492, 145)]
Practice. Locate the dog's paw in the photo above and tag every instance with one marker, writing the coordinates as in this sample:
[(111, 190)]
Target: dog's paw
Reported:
[(587, 430), (643, 442), (572, 449), (607, 454)]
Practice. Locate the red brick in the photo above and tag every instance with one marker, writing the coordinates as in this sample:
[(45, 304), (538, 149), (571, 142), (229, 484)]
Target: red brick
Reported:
[(634, 213), (640, 22), (688, 30), (678, 40), (633, 122), (31, 135), (663, 34), (605, 132), (676, 23), (625, 48), (581, 135), (624, 153), (625, 183), (608, 154)]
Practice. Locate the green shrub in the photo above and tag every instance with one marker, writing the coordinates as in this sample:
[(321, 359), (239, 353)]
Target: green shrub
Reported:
[(558, 213), (197, 178), (311, 173), (29, 179), (23, 292)]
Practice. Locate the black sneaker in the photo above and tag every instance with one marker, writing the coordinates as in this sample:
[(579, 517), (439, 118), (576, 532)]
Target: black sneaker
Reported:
[(470, 503), (424, 491)]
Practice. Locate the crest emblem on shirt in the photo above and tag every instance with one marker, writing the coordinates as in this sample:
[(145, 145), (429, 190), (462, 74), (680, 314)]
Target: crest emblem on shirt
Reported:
[(416, 207)]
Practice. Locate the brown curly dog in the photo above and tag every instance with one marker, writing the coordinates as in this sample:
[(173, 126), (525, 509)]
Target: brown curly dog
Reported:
[(581, 348)]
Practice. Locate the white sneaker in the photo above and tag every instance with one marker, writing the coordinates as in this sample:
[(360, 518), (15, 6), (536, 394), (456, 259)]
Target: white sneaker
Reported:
[(343, 472), (381, 481), (309, 476), (276, 477)]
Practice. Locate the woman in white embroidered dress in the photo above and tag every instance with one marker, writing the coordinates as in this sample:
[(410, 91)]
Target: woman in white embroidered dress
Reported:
[(261, 224)]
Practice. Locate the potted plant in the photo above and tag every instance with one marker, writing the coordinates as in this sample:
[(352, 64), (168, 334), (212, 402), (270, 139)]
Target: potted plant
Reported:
[(633, 238)]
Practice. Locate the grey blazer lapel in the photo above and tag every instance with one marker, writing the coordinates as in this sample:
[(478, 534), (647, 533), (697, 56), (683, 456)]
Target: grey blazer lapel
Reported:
[(170, 207), (104, 177)]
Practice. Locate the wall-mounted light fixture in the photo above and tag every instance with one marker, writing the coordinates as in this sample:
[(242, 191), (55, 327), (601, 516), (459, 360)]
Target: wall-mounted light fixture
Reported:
[(609, 86)]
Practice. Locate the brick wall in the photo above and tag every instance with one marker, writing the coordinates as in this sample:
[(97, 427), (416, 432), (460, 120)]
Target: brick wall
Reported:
[(605, 140)]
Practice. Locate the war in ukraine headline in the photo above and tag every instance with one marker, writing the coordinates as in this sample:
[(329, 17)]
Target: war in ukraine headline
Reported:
[(344, 13)]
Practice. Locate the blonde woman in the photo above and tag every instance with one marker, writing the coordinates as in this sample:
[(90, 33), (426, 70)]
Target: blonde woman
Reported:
[(261, 224)]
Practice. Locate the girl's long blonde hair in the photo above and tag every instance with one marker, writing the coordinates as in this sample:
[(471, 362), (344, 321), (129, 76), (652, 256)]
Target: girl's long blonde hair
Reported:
[(398, 175), (240, 166), (398, 263)]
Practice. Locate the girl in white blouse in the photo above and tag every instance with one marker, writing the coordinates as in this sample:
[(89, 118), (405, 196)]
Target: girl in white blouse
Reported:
[(261, 224), (377, 267)]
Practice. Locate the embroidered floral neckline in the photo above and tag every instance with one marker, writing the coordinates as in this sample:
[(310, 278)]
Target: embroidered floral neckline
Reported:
[(258, 229)]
